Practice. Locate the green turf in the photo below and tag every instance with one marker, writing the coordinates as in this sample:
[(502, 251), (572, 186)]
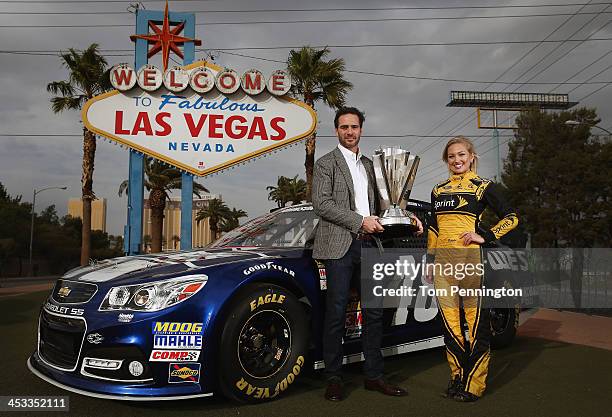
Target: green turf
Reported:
[(532, 378)]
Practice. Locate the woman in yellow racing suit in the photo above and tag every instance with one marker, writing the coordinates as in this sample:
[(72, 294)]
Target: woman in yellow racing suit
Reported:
[(454, 241)]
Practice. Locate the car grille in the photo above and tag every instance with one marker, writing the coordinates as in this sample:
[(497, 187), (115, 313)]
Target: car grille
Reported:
[(60, 339), (79, 292)]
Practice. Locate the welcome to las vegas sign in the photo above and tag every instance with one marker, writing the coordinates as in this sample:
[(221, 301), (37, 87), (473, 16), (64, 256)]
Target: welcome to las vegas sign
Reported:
[(200, 118)]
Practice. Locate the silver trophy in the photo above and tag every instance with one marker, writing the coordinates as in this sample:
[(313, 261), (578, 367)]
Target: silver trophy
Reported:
[(395, 170)]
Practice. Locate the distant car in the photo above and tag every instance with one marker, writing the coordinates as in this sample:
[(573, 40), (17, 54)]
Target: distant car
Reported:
[(242, 317)]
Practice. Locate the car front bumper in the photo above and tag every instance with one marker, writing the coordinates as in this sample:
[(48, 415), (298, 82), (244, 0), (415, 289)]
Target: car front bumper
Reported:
[(72, 381)]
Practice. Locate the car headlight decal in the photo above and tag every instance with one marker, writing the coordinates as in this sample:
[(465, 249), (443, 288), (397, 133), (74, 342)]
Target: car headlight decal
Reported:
[(153, 296)]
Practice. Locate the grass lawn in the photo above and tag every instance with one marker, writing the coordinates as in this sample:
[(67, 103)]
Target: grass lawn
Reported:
[(532, 378)]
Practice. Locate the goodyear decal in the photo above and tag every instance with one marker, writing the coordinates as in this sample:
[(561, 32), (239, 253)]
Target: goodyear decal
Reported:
[(176, 328), (267, 266), (266, 299), (184, 372), (267, 392)]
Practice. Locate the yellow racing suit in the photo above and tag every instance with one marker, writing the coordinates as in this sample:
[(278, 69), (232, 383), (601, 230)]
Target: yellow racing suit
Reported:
[(457, 206)]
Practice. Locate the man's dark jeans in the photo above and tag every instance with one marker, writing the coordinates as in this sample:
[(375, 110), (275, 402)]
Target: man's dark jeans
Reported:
[(339, 275)]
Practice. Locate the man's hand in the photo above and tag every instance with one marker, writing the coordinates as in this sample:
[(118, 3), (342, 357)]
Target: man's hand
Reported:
[(371, 225), (419, 232)]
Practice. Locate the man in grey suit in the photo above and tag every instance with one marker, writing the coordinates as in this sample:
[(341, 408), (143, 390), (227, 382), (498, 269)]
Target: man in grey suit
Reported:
[(345, 199)]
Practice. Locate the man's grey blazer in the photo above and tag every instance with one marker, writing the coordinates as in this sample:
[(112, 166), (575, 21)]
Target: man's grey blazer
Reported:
[(333, 200)]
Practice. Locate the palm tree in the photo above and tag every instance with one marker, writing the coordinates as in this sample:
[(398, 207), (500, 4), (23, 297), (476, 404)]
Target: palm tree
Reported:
[(216, 212), (315, 79), (160, 179), (232, 221), (278, 193), (87, 78), (296, 190), (287, 189)]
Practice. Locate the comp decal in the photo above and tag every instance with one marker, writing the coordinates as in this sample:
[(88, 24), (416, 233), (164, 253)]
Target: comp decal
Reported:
[(184, 372), (266, 299), (174, 355), (266, 392)]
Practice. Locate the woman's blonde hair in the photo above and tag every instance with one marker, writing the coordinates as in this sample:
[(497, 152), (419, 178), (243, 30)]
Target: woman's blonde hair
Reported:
[(470, 147)]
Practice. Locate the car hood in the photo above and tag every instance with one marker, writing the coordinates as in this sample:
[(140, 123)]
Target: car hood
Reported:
[(147, 267)]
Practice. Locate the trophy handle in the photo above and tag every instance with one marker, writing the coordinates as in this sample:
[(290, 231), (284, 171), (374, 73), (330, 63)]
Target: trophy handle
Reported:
[(409, 183), (381, 180)]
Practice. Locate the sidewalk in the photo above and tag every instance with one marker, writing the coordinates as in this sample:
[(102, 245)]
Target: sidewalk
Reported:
[(569, 327), (24, 285)]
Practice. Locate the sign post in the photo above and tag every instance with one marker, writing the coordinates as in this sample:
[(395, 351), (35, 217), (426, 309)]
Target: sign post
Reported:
[(133, 229)]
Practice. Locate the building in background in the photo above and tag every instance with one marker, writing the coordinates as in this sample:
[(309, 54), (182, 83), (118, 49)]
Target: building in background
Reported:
[(98, 212), (171, 238)]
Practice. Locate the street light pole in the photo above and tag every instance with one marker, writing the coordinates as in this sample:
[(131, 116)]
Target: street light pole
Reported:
[(32, 220), (577, 123)]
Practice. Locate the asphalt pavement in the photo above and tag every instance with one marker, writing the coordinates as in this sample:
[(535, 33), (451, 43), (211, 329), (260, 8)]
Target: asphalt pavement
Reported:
[(534, 377)]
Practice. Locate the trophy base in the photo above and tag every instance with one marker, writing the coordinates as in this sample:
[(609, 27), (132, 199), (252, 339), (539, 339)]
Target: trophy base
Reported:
[(398, 223), (396, 216)]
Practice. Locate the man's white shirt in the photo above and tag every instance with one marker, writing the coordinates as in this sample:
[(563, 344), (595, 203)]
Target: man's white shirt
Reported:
[(360, 180)]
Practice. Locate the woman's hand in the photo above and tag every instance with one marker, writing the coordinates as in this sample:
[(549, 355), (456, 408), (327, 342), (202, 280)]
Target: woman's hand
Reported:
[(471, 237), (428, 275)]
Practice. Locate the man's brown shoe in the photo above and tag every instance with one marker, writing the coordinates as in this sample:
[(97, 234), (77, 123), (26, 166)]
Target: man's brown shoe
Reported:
[(334, 391), (383, 387)]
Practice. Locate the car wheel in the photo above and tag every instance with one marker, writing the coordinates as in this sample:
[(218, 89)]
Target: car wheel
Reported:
[(263, 344), (504, 323)]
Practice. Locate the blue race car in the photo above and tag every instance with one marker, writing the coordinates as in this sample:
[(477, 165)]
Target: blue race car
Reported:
[(242, 317)]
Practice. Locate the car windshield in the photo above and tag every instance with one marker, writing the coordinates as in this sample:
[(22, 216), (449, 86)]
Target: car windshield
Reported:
[(290, 227)]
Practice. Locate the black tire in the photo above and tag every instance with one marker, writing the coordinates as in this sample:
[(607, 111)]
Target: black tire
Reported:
[(263, 344), (504, 323)]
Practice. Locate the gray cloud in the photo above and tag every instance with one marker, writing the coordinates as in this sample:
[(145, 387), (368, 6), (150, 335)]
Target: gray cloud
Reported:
[(394, 106)]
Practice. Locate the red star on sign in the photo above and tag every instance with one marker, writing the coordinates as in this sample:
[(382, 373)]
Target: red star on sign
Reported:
[(165, 39)]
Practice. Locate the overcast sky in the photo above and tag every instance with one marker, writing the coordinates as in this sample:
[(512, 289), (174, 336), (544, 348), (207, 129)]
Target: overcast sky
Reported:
[(393, 105)]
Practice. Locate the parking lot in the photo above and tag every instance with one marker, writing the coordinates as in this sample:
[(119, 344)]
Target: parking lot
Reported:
[(538, 375)]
